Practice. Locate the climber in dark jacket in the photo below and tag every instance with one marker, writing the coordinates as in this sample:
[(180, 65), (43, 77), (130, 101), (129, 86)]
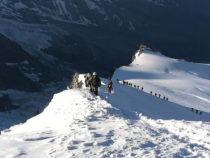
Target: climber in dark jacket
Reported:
[(109, 86), (94, 82)]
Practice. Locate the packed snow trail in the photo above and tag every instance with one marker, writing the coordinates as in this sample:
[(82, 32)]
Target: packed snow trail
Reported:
[(125, 123)]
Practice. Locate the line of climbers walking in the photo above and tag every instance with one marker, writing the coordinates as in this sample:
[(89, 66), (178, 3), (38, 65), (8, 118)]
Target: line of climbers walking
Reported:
[(94, 82)]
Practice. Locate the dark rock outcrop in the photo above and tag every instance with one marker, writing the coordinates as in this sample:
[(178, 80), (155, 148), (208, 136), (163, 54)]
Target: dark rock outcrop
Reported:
[(75, 82), (138, 52)]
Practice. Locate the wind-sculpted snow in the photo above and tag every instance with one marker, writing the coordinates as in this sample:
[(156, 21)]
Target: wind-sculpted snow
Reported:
[(125, 123)]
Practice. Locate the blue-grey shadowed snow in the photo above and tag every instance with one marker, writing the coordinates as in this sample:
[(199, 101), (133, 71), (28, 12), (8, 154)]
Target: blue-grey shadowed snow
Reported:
[(36, 139), (21, 154), (106, 143), (148, 144), (88, 144), (96, 135), (72, 148)]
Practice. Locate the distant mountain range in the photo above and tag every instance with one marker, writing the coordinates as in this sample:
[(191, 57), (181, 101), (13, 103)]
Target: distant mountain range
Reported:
[(54, 39)]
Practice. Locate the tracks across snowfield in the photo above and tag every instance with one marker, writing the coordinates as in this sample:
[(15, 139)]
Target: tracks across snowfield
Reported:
[(104, 131), (125, 123)]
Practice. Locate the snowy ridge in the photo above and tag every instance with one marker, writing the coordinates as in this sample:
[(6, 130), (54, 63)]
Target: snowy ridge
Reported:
[(126, 123), (182, 82), (28, 103)]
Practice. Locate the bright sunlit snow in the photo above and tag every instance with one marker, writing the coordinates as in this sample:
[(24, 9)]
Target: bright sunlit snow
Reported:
[(126, 123), (182, 82)]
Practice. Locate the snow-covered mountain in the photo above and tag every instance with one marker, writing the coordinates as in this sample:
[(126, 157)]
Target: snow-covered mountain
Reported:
[(126, 123), (175, 79), (84, 12), (85, 35)]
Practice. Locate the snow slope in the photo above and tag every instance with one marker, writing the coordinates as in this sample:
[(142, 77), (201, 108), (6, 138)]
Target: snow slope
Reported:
[(125, 123), (28, 103), (184, 83)]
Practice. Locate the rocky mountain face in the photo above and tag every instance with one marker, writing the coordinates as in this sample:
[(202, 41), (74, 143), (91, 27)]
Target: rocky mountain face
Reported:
[(20, 70), (50, 40)]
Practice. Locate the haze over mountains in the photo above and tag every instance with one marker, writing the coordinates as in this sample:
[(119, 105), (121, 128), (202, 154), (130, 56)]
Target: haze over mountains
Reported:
[(60, 37)]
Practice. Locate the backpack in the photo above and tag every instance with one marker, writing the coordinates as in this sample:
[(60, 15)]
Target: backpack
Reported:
[(96, 81), (110, 83)]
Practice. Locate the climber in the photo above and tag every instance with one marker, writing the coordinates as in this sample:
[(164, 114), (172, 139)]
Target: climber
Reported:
[(94, 82), (109, 86), (87, 77)]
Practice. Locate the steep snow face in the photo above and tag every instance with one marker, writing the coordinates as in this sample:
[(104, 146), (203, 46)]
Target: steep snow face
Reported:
[(182, 82), (125, 123)]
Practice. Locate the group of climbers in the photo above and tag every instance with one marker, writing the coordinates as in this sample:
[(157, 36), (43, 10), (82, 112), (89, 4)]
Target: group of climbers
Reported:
[(94, 82)]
